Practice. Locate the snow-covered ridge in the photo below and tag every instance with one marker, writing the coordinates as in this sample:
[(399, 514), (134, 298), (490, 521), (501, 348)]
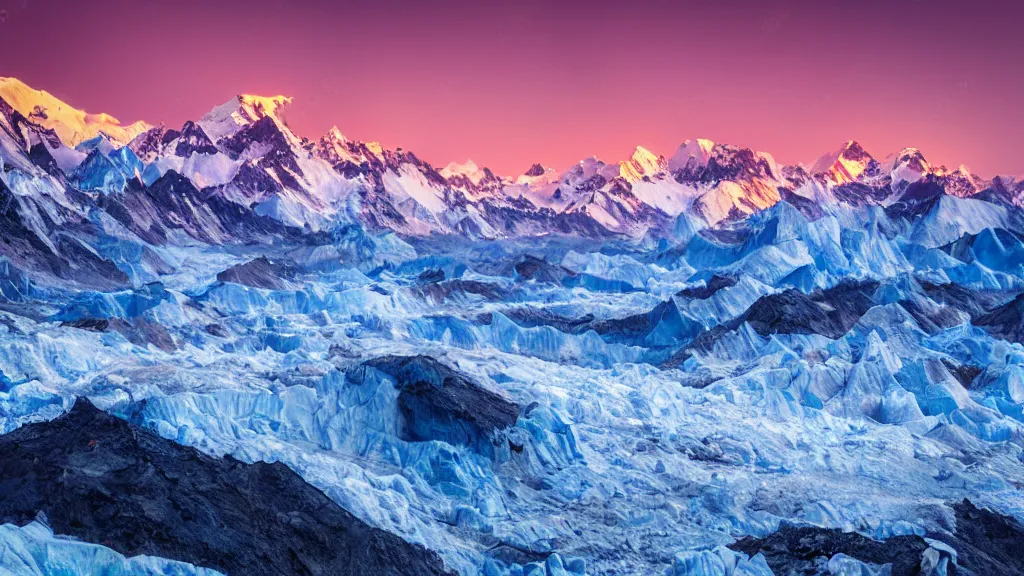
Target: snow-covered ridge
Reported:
[(241, 111), (73, 126), (245, 152)]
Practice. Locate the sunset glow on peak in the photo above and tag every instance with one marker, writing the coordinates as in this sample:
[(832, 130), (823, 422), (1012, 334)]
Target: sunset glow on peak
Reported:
[(514, 84)]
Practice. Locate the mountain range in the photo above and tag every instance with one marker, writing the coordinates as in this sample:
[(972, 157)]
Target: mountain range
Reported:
[(243, 153), (707, 364)]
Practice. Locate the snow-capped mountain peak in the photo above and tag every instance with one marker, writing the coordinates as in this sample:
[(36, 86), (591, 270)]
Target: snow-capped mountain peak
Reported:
[(909, 166), (959, 182), (538, 172), (335, 135), (336, 148), (72, 126), (467, 169), (844, 165), (698, 151), (241, 111), (643, 163)]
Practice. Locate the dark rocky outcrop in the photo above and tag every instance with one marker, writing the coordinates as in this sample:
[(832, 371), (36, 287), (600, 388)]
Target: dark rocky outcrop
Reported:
[(809, 208), (703, 343), (793, 550), (964, 373), (279, 156), (193, 139), (635, 327), (102, 480), (1006, 321), (632, 329), (172, 203), (860, 194), (987, 543), (439, 292), (430, 276), (830, 313), (260, 273), (972, 302), (539, 269), (918, 199), (439, 403), (530, 317), (139, 331), (709, 289), (535, 170), (40, 155), (932, 319)]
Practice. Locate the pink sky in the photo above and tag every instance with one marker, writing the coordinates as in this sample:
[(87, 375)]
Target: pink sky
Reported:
[(510, 84)]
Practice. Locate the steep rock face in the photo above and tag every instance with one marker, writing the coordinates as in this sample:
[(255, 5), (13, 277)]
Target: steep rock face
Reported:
[(636, 327), (153, 143), (193, 139), (1002, 190), (725, 162), (39, 245), (277, 155), (633, 329), (960, 182), (173, 205), (530, 317), (102, 480), (457, 288), (860, 194), (439, 403)]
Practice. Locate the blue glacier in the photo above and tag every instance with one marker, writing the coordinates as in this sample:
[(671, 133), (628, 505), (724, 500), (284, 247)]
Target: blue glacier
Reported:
[(593, 382)]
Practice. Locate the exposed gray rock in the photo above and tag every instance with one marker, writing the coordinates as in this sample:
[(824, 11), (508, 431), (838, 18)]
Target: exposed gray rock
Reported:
[(100, 479)]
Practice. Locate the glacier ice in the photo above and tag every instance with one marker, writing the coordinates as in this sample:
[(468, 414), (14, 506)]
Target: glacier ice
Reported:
[(683, 352)]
